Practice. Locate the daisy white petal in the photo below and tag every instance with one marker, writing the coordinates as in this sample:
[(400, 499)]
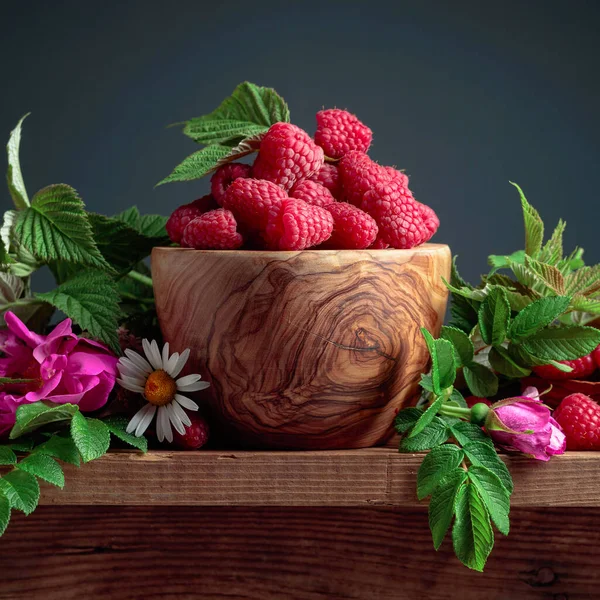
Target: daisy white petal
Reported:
[(174, 418), (165, 356), (181, 414), (140, 361), (130, 386), (189, 379), (153, 358), (180, 363), (171, 363), (156, 352), (131, 370), (139, 381), (160, 434), (136, 419), (193, 387), (186, 402), (163, 418), (146, 420)]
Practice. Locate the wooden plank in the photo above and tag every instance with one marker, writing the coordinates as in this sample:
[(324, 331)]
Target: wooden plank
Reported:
[(375, 476), (288, 553)]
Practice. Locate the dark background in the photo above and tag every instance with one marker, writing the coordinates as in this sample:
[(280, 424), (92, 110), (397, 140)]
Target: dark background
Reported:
[(464, 95)]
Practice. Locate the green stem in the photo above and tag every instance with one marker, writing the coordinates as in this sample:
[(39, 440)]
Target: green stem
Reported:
[(455, 411), (21, 302), (140, 278)]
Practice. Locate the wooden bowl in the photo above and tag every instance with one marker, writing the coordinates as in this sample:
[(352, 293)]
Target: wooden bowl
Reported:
[(314, 349)]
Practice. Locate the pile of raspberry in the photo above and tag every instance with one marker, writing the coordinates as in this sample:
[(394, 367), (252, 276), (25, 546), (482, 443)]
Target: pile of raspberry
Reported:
[(303, 192)]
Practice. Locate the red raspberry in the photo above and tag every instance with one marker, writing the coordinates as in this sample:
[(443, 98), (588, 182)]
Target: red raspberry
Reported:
[(287, 154), (582, 367), (379, 244), (473, 400), (181, 216), (395, 174), (251, 199), (352, 227), (358, 174), (297, 225), (195, 436), (328, 176), (312, 192), (397, 213), (339, 132), (224, 176), (596, 356), (214, 230), (579, 417), (430, 220)]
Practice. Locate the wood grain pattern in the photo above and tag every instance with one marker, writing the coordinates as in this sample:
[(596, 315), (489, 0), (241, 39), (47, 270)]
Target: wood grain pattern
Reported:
[(313, 349), (369, 477), (289, 554)]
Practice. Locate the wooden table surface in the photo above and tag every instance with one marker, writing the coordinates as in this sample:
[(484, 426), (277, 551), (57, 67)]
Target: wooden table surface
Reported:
[(293, 525)]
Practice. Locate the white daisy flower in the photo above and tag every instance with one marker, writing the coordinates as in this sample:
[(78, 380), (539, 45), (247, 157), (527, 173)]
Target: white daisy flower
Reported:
[(155, 379)]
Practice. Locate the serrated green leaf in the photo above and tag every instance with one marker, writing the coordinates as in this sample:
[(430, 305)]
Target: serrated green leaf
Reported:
[(481, 381), (465, 433), (427, 417), (483, 454), (583, 304), (463, 346), (23, 445), (435, 466), (44, 467), (197, 165), (505, 261), (30, 417), (21, 489), (523, 358), (443, 366), (501, 362), (151, 226), (221, 131), (426, 382), (406, 418), (494, 317), (91, 437), (433, 435), (464, 315), (7, 456), (552, 252), (16, 185), (534, 226), (458, 399), (441, 505), (472, 534), (118, 425), (4, 513), (59, 447), (562, 343), (536, 316), (551, 278), (583, 281), (494, 495), (92, 301)]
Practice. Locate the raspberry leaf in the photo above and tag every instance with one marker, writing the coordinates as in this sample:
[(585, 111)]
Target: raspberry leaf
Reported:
[(441, 505), (117, 427), (91, 436), (536, 316), (463, 346), (481, 381), (4, 513), (562, 343), (494, 317), (406, 418), (483, 454), (151, 226), (16, 185), (534, 226), (441, 461), (21, 489), (30, 417), (44, 467), (222, 131), (433, 435), (552, 252), (197, 165), (7, 456)]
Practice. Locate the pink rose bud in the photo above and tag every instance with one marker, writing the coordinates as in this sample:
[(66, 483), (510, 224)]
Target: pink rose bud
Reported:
[(523, 424)]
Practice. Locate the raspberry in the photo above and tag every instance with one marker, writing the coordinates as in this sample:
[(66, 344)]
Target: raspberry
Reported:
[(339, 132), (582, 367), (397, 213), (431, 221), (287, 154), (379, 244), (251, 199), (195, 436), (352, 227), (358, 174), (328, 176), (184, 214), (224, 176), (579, 417), (596, 356), (312, 192), (395, 174), (297, 225), (214, 230)]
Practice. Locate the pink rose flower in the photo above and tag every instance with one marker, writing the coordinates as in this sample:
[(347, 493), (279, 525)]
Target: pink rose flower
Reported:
[(524, 424), (63, 368)]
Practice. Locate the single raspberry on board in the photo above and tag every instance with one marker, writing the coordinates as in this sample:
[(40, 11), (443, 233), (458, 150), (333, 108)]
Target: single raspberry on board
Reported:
[(195, 436), (582, 367), (339, 132), (579, 417), (251, 199), (297, 225), (358, 174), (430, 221), (397, 213), (286, 155), (312, 192), (181, 216), (214, 230), (328, 176), (224, 176), (352, 227)]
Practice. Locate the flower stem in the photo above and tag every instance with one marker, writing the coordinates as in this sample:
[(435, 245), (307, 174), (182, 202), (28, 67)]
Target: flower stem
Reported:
[(455, 411), (140, 278)]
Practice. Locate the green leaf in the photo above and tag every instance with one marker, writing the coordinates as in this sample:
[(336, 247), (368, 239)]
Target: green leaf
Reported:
[(433, 435), (552, 252), (33, 416), (505, 261), (584, 281), (562, 343), (44, 467), (151, 226), (494, 495), (92, 301), (427, 417), (197, 165), (481, 381), (16, 185), (7, 456), (441, 505), (435, 466), (465, 433), (482, 454), (501, 362), (536, 316), (551, 278), (472, 534), (443, 366), (117, 425), (494, 316), (523, 358), (21, 489), (4, 513), (221, 131), (534, 226), (463, 346), (406, 419), (91, 437), (464, 315), (60, 447), (23, 445)]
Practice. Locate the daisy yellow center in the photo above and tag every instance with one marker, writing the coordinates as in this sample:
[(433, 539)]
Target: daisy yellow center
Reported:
[(160, 388)]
